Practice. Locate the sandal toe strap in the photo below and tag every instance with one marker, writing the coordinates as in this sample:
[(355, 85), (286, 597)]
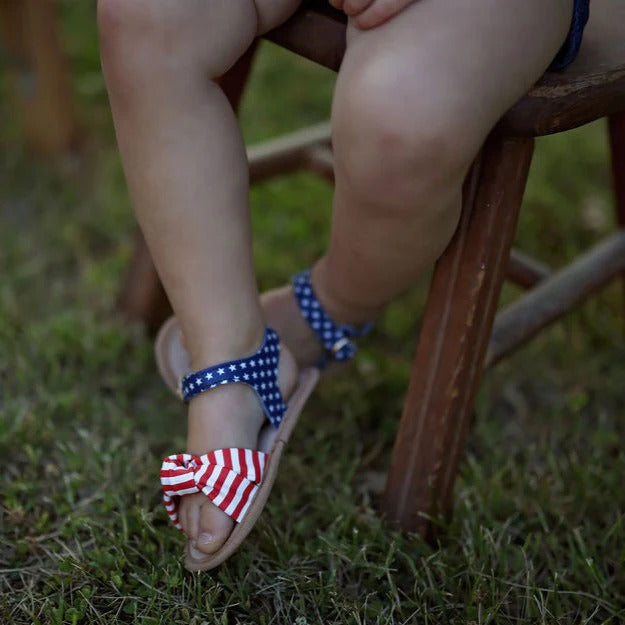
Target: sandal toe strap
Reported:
[(230, 478)]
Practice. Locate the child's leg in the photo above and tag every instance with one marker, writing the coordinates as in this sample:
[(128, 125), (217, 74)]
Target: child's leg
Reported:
[(186, 169), (415, 99)]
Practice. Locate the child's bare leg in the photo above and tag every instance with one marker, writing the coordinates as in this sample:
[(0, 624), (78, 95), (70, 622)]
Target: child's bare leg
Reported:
[(187, 174), (415, 99)]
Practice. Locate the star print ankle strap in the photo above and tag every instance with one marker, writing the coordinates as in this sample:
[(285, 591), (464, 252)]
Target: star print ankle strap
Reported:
[(335, 338), (260, 371)]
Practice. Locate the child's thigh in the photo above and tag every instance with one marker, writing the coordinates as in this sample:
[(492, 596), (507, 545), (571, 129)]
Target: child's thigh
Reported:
[(450, 64), (272, 13), (143, 34)]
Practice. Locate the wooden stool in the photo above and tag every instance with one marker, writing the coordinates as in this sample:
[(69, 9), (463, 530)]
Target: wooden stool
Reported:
[(39, 76), (460, 335)]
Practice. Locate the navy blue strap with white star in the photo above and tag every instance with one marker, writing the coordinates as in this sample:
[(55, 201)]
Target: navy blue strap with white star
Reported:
[(335, 338), (260, 371)]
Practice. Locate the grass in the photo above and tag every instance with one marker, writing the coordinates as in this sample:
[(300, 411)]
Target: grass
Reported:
[(538, 527)]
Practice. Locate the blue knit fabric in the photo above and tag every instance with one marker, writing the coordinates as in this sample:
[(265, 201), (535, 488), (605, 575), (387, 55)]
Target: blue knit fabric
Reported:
[(260, 371), (571, 46), (335, 338)]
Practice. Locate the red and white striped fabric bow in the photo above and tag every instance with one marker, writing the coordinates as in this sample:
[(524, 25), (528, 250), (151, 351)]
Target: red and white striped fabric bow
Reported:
[(228, 477)]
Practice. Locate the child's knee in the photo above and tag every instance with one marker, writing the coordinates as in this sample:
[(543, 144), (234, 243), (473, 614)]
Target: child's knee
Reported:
[(145, 39), (394, 142)]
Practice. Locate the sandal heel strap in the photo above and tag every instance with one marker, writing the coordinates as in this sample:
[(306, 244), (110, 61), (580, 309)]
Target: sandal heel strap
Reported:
[(336, 338), (259, 371)]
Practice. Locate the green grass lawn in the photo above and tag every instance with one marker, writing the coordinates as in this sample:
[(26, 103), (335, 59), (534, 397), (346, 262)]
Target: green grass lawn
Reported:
[(538, 527)]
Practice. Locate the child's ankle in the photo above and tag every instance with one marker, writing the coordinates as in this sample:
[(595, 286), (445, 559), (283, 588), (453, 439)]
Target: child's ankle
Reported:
[(341, 309), (229, 343)]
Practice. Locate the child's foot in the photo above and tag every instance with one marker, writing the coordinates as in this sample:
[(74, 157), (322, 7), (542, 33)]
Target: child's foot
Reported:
[(313, 324), (282, 313), (228, 416)]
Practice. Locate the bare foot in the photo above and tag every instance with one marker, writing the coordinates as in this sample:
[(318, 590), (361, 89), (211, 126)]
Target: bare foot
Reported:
[(226, 416)]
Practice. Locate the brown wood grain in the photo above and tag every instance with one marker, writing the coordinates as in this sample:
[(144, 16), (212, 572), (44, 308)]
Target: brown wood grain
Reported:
[(142, 297), (592, 87), (616, 132), (526, 271), (39, 79), (287, 153), (316, 32), (556, 296), (455, 331)]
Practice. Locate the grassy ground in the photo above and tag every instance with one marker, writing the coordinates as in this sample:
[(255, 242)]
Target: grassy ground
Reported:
[(538, 530)]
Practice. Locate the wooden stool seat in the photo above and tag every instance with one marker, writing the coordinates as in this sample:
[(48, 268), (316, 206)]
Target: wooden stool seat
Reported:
[(559, 101), (460, 335), (39, 79), (592, 87)]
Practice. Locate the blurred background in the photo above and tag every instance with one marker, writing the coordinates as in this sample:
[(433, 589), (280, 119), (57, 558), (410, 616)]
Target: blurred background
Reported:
[(538, 531)]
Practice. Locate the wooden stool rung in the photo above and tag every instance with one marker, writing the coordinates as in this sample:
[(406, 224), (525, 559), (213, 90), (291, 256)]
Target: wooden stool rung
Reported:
[(287, 153), (321, 162), (526, 271), (554, 297), (39, 79), (316, 33)]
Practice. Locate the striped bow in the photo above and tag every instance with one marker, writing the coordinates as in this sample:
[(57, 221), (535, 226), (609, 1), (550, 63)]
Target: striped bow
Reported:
[(228, 477)]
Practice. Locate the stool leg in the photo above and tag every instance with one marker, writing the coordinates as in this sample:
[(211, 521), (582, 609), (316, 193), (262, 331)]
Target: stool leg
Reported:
[(39, 76), (142, 297), (616, 127), (459, 315)]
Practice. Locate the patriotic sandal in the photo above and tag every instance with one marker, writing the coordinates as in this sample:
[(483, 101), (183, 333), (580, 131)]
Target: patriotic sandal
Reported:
[(237, 481), (335, 338), (173, 359)]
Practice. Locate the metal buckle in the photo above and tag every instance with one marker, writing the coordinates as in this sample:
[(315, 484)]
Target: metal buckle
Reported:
[(339, 345)]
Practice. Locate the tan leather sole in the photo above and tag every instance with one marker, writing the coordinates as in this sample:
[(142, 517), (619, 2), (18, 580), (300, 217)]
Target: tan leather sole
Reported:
[(172, 359), (273, 442)]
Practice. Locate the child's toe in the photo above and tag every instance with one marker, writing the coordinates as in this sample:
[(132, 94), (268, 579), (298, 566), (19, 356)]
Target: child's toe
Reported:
[(193, 518), (214, 528), (182, 519), (189, 514)]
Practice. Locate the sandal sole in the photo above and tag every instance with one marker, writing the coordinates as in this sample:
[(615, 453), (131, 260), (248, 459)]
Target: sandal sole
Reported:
[(275, 446), (172, 359)]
